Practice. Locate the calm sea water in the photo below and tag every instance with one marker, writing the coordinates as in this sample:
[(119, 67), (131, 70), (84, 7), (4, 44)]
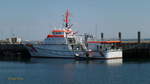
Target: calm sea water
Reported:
[(66, 71)]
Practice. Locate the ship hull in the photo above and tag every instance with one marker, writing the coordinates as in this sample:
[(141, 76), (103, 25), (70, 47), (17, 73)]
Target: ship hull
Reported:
[(63, 51), (117, 54), (52, 51)]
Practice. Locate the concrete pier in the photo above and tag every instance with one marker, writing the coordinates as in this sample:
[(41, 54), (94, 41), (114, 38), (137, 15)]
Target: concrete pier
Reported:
[(136, 50), (13, 52)]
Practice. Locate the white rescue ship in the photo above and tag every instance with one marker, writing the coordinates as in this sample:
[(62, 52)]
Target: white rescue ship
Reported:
[(64, 43)]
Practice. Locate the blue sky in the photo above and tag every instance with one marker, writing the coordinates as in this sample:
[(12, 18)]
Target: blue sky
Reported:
[(34, 19)]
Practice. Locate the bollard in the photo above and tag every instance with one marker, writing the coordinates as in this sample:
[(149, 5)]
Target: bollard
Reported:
[(102, 36), (119, 36), (139, 37)]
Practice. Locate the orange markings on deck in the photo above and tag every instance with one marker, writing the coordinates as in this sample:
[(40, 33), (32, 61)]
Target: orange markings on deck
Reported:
[(104, 41)]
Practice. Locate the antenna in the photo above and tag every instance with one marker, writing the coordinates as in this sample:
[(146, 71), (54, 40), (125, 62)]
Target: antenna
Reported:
[(67, 14), (96, 30), (12, 34)]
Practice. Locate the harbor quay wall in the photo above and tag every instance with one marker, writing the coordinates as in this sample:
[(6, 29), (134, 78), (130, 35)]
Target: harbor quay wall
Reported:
[(13, 52), (136, 50)]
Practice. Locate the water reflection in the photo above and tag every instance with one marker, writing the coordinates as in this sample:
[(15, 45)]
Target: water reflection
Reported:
[(112, 62), (70, 71), (136, 60)]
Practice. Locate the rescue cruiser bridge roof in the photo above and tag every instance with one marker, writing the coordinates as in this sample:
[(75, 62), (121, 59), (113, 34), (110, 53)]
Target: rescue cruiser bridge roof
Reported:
[(61, 31)]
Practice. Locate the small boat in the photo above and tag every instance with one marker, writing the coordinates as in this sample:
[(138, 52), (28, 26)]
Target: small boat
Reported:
[(104, 49)]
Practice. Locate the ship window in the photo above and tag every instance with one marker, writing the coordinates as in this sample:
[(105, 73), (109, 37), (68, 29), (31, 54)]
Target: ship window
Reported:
[(57, 33), (71, 40), (61, 32)]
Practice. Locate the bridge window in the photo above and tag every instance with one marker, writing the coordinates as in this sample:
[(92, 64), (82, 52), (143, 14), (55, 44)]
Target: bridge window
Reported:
[(58, 33)]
